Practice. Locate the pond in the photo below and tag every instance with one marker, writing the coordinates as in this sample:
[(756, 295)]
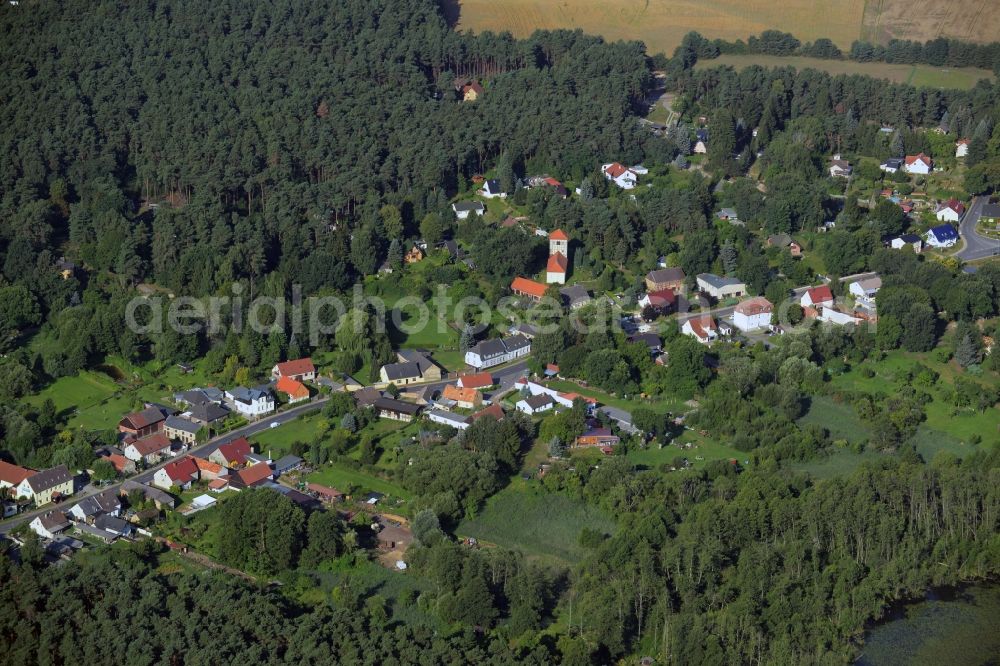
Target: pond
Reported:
[(951, 626), (112, 371)]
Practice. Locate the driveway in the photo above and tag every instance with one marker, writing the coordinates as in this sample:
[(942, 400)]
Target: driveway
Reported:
[(976, 246)]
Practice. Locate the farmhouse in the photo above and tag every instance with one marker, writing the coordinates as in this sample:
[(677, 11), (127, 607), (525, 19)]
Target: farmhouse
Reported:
[(479, 380), (720, 288), (232, 454), (140, 424), (950, 211), (919, 164), (148, 449), (48, 525), (665, 278), (942, 236), (181, 429), (620, 175), (397, 410), (753, 314), (464, 208), (488, 353), (301, 369), (527, 288)]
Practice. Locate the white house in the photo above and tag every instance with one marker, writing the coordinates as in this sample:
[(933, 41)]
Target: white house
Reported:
[(817, 297), (456, 421), (950, 211), (148, 449), (942, 236), (181, 473), (48, 525), (719, 287), (911, 240), (89, 507), (891, 165), (840, 168), (464, 208), (488, 353), (919, 164), (961, 148), (534, 404), (251, 402), (492, 190), (864, 290), (704, 329), (620, 175), (831, 316), (537, 389), (753, 314)]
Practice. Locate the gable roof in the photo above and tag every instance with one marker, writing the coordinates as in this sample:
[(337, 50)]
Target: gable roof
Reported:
[(54, 521), (477, 381), (151, 444), (944, 232), (182, 424), (407, 370), (494, 411), (119, 461), (492, 186), (450, 417), (919, 157), (182, 470), (557, 263), (701, 326), (452, 392), (292, 387), (953, 204), (719, 281), (397, 406), (661, 297), (666, 275), (465, 206), (538, 401), (558, 234), (299, 366), (255, 474), (104, 502), (49, 478), (526, 286), (754, 306), (13, 474), (286, 463), (575, 294), (615, 169), (820, 294), (144, 419), (209, 412), (236, 451)]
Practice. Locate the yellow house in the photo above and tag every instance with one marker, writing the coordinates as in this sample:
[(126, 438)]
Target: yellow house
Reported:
[(472, 91), (44, 486)]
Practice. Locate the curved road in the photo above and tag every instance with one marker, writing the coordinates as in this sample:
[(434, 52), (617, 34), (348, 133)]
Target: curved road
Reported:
[(976, 246)]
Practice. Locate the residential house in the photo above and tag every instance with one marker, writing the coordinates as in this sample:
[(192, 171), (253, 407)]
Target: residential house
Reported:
[(817, 297), (575, 296), (397, 410), (489, 353), (49, 524), (66, 268), (465, 398), (480, 380), (753, 314), (287, 464), (534, 388), (892, 165), (526, 330), (199, 396), (839, 168), (465, 208), (207, 413), (300, 369), (556, 268), (918, 164), (471, 91), (294, 389), (720, 288), (181, 473), (494, 411), (161, 499), (113, 525), (961, 148), (429, 370), (701, 141), (651, 340), (149, 450), (597, 437), (413, 366), (414, 255), (145, 422), (942, 236), (534, 404), (208, 470), (662, 301), (729, 215), (232, 454), (950, 211), (990, 214), (702, 328), (864, 290), (251, 402), (784, 240), (907, 240), (620, 175), (48, 485), (12, 476), (122, 464), (325, 493), (492, 190), (251, 477), (831, 316), (181, 429), (456, 421), (527, 288), (90, 507), (366, 396), (665, 278)]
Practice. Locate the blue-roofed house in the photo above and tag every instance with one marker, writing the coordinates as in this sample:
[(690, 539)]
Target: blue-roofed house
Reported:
[(944, 235)]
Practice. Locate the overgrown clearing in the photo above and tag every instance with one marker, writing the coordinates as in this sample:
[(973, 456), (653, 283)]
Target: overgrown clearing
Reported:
[(917, 75), (661, 24), (546, 525), (343, 478)]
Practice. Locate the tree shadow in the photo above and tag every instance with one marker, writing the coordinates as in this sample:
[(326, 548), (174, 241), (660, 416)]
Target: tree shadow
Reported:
[(451, 10)]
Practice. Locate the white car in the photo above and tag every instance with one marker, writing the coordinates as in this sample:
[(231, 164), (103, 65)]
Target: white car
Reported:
[(274, 424)]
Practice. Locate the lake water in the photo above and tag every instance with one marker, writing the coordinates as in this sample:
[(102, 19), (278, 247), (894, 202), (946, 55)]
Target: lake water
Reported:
[(958, 627)]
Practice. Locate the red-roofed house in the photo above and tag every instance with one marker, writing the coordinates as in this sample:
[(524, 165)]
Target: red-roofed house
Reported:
[(295, 390), (122, 464), (232, 454), (918, 163), (494, 411), (255, 475), (753, 314), (466, 398), (148, 449), (181, 473), (472, 91), (301, 369), (703, 329), (479, 380), (555, 270), (950, 211), (11, 476), (597, 437), (620, 175), (817, 297), (140, 424), (663, 300), (528, 288), (209, 470)]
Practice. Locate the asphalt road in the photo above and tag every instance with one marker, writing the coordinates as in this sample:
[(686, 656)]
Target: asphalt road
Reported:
[(976, 246), (146, 475)]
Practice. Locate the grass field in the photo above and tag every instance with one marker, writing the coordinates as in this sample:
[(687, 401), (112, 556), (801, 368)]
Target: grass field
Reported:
[(661, 24), (545, 525), (659, 405), (342, 478), (839, 419), (917, 75)]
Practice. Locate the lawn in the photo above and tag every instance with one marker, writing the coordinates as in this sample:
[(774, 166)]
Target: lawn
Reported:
[(703, 450), (90, 400), (342, 477), (279, 440), (544, 525), (657, 405), (917, 75), (838, 418)]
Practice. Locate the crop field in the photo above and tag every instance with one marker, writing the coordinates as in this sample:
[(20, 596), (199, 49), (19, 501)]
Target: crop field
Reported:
[(661, 24), (917, 75)]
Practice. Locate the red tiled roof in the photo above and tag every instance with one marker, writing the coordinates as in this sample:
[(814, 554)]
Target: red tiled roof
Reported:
[(662, 297), (754, 306), (553, 182), (182, 470), (207, 465), (557, 263), (294, 388), (615, 169), (13, 474), (452, 392), (701, 325), (236, 451), (151, 444), (299, 366), (120, 462), (526, 286), (218, 484), (476, 381), (955, 205), (558, 234), (962, 142), (820, 294), (910, 159), (494, 410), (255, 474)]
